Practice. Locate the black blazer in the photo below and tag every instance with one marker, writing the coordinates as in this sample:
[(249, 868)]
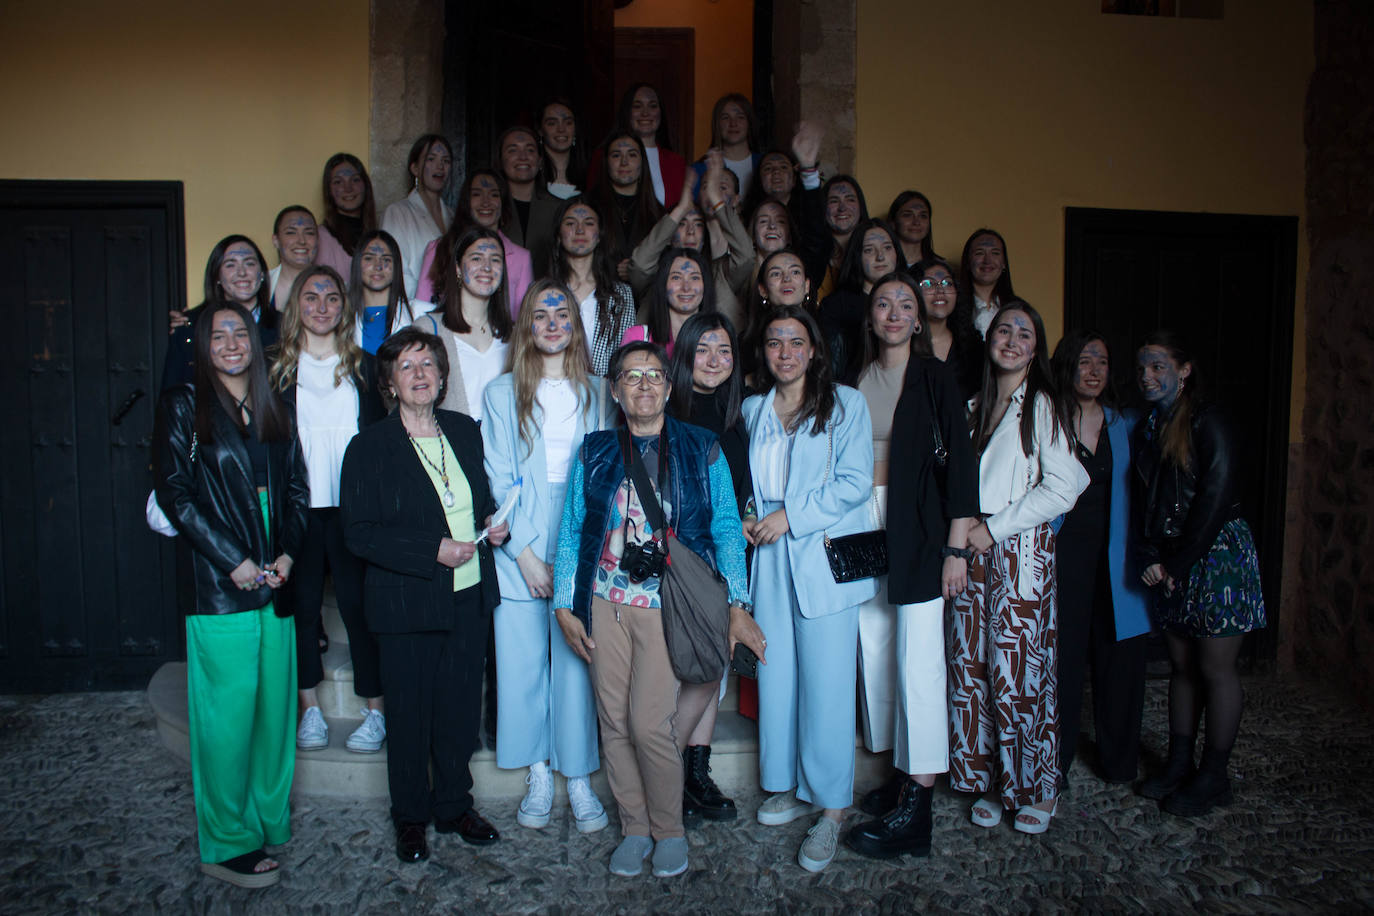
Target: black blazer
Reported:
[(919, 493), (370, 406), (213, 502), (394, 520)]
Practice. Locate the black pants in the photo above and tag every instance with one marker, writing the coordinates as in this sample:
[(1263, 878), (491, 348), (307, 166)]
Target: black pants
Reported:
[(433, 684), (323, 550), (1087, 625)]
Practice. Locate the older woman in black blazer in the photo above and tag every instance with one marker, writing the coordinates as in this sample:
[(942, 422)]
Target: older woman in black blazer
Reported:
[(414, 496)]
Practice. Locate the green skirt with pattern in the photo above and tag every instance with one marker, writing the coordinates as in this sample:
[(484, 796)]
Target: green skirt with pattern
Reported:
[(1222, 596)]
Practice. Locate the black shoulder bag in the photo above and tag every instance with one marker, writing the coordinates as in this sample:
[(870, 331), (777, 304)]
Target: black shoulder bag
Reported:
[(694, 599)]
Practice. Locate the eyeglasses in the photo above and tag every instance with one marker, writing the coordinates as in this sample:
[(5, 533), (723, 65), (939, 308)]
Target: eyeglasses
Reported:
[(636, 377), (942, 283)]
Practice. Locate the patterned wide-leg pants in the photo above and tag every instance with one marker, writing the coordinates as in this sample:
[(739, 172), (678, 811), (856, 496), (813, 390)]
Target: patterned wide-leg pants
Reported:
[(1002, 689)]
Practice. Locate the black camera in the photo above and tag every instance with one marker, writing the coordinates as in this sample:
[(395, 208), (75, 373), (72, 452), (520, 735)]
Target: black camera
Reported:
[(642, 561)]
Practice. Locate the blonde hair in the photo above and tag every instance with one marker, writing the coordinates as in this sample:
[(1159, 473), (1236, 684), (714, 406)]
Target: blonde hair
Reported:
[(283, 373), (527, 361)]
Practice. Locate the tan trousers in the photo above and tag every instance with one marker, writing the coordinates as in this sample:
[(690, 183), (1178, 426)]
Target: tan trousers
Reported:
[(636, 701)]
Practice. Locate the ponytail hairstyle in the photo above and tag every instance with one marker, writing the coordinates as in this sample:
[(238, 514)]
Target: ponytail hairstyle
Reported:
[(818, 392), (283, 372), (1039, 381), (1174, 434), (268, 412)]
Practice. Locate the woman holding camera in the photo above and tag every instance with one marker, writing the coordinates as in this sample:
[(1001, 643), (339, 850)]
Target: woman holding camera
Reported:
[(607, 575)]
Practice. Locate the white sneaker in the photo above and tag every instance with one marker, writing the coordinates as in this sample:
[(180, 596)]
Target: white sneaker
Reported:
[(313, 733), (368, 737), (783, 808), (538, 802), (819, 846), (587, 811)]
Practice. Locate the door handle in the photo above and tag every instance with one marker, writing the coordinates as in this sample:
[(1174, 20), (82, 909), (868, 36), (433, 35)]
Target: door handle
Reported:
[(127, 406)]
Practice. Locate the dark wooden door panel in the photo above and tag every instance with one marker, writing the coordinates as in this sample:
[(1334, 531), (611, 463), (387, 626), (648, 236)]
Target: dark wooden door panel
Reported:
[(1227, 284), (85, 283)]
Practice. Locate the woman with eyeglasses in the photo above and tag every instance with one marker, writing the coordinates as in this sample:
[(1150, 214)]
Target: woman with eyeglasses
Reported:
[(953, 338), (607, 579), (811, 458)]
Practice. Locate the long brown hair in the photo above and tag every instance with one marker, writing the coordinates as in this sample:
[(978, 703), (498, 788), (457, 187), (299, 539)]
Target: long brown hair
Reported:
[(283, 373), (450, 308), (920, 339), (818, 389), (1039, 380), (333, 219), (268, 412), (527, 362), (1175, 429)]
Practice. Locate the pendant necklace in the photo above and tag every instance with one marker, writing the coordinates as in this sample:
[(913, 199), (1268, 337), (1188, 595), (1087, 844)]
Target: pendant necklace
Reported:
[(442, 467)]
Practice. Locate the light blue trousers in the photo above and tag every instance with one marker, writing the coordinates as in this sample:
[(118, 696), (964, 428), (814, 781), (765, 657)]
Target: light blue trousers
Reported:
[(545, 707), (806, 691)]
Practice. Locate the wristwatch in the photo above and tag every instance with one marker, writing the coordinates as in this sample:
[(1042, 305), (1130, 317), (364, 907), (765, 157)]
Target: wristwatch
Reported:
[(746, 606), (964, 553)]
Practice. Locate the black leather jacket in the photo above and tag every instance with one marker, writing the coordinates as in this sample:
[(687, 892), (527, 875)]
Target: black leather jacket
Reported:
[(1183, 511), (213, 503)]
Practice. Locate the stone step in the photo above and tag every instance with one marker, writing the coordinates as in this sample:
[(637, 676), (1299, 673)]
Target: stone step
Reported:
[(335, 692), (337, 772)]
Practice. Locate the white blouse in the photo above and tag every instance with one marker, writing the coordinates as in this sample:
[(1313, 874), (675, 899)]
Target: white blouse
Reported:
[(774, 450), (479, 369), (558, 402), (327, 420)]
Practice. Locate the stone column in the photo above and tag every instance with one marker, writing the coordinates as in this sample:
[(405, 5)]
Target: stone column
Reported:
[(814, 74), (407, 54)]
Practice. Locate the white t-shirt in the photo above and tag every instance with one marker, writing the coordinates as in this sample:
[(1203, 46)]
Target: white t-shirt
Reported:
[(327, 419), (558, 400), (744, 171), (479, 369), (655, 172)]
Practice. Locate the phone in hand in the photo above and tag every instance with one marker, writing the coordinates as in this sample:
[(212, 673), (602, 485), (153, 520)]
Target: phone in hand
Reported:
[(744, 662)]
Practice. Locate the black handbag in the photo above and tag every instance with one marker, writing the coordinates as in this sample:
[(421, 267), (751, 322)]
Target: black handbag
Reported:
[(694, 600), (854, 556)]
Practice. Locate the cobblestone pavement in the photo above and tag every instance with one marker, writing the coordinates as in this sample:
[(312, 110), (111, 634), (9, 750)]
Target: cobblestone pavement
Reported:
[(95, 816)]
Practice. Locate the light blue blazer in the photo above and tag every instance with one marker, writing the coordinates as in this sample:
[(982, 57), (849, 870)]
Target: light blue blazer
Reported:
[(1129, 594), (824, 495), (534, 523)]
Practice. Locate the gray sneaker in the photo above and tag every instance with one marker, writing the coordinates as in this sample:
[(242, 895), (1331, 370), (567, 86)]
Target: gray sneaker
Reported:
[(670, 857), (628, 858), (784, 808), (819, 846), (367, 738), (313, 732)]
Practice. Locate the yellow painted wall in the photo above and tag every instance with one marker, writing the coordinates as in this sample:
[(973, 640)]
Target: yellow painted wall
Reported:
[(242, 102), (1005, 112), (724, 48)]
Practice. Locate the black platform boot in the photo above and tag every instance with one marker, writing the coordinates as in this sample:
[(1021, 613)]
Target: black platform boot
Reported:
[(700, 788), (1177, 769), (1207, 788), (904, 829), (883, 799)]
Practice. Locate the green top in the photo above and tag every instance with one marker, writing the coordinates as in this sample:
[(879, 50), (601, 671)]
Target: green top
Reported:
[(436, 454)]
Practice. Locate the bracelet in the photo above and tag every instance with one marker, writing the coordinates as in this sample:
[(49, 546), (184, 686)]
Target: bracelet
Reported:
[(963, 553), (745, 606), (716, 209)]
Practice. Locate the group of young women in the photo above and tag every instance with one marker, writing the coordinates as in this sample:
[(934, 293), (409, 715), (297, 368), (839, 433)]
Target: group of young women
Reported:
[(366, 407)]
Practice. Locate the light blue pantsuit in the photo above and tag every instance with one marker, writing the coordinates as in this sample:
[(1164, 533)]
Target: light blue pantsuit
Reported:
[(806, 691), (811, 622), (545, 706)]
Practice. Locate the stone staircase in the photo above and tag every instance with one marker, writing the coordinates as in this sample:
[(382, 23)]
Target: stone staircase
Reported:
[(335, 771)]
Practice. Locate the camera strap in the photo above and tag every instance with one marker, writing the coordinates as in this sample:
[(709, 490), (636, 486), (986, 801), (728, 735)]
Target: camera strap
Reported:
[(639, 477)]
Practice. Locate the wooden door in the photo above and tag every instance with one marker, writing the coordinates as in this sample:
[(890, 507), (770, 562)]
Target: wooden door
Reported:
[(88, 271), (664, 58), (1226, 283)]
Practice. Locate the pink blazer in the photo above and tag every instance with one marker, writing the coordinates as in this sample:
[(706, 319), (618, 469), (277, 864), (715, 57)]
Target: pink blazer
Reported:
[(519, 273)]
